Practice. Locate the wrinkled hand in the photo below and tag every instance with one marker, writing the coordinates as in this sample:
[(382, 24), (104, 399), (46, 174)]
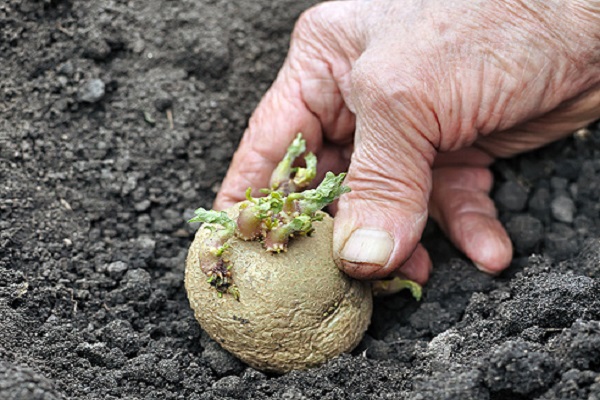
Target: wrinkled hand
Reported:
[(416, 99)]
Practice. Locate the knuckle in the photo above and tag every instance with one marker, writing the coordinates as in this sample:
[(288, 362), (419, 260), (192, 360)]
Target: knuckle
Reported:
[(468, 179), (327, 27), (461, 203), (377, 84), (367, 81), (393, 97), (310, 22)]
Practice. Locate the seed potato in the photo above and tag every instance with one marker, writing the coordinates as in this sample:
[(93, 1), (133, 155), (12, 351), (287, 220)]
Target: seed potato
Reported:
[(295, 310)]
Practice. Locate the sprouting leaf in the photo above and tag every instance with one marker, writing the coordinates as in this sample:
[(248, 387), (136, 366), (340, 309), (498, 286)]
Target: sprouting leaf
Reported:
[(318, 217), (301, 223), (272, 203), (234, 291), (331, 188), (214, 217), (211, 217)]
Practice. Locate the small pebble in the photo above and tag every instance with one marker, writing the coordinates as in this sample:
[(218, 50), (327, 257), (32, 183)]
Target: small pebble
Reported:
[(97, 49), (558, 184), (561, 243), (511, 196), (526, 233), (538, 204), (563, 209), (227, 382), (116, 269), (92, 91), (136, 284), (142, 205), (67, 69)]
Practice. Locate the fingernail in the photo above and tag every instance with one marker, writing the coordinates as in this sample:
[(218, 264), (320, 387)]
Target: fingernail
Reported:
[(368, 246), (484, 269)]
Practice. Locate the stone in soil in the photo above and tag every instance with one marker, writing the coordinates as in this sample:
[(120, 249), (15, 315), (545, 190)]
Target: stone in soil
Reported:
[(563, 209), (526, 233), (91, 91), (511, 196)]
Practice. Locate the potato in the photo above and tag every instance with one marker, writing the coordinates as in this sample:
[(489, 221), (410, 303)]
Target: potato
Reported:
[(295, 310)]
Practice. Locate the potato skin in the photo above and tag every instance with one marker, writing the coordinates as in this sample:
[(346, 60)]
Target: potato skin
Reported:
[(296, 309)]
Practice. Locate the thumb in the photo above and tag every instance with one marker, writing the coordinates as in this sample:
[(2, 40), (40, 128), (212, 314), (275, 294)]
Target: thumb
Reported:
[(379, 223)]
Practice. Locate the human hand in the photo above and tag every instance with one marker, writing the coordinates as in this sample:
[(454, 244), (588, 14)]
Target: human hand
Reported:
[(416, 99)]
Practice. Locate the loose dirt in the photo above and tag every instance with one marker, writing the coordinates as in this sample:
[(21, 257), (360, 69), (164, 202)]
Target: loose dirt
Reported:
[(118, 118)]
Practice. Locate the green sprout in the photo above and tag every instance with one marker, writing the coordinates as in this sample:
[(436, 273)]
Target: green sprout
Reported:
[(215, 217), (281, 175), (304, 176), (395, 285), (277, 238), (281, 214), (275, 218), (311, 201), (224, 285)]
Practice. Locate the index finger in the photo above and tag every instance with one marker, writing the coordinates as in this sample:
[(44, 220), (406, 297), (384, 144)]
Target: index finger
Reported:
[(304, 98), (280, 115)]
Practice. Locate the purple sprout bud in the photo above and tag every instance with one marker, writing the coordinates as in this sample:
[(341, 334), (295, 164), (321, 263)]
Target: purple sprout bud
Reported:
[(249, 224), (276, 240)]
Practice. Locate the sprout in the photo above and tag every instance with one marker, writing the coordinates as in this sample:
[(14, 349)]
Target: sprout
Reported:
[(304, 176), (287, 179), (311, 201), (277, 238), (212, 262), (275, 218), (249, 223), (227, 225), (394, 285), (281, 175)]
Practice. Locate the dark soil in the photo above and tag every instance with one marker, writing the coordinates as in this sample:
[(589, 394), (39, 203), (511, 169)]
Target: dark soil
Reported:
[(96, 186)]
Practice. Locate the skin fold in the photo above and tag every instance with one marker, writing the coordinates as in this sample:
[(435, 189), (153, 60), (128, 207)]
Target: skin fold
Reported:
[(415, 99)]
